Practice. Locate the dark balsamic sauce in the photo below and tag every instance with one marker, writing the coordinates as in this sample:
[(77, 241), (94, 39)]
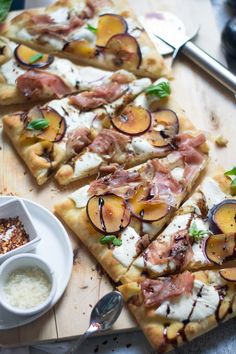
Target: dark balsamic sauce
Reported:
[(101, 205)]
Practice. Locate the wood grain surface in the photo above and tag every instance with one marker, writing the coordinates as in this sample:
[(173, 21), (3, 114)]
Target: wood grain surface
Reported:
[(207, 104)]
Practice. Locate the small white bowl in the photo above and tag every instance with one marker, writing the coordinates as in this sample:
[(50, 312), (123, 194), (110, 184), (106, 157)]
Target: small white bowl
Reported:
[(24, 261), (11, 209)]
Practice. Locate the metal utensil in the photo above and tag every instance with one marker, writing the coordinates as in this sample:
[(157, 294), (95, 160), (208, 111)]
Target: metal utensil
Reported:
[(103, 316), (170, 30)]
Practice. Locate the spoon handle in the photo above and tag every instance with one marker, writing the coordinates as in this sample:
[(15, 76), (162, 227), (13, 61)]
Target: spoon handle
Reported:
[(75, 345)]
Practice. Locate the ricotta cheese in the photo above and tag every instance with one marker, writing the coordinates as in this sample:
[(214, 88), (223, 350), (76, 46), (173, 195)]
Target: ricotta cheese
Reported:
[(80, 197), (178, 173), (66, 70), (87, 164), (55, 43), (25, 35), (193, 307), (11, 71), (60, 15), (142, 146), (127, 251), (212, 192)]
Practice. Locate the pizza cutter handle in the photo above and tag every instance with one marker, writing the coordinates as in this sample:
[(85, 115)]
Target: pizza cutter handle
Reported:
[(210, 65)]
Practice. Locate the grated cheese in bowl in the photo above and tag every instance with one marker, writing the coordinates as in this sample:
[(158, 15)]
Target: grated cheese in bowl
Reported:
[(27, 287)]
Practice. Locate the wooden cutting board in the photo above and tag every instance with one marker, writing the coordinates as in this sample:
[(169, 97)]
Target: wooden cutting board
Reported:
[(207, 104)]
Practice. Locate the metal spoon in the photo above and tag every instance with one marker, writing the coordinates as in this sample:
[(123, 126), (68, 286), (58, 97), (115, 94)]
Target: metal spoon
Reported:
[(104, 314)]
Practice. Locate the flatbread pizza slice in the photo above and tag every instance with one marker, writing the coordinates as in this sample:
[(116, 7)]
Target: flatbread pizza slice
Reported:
[(176, 309), (28, 76), (48, 135), (201, 234), (117, 216), (100, 33), (151, 126)]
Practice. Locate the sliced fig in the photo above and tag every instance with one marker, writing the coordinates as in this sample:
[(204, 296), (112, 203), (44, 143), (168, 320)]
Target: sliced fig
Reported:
[(165, 126), (228, 274), (133, 120), (126, 51), (145, 209), (28, 57), (81, 48), (222, 217), (57, 126), (108, 26), (108, 213), (220, 248)]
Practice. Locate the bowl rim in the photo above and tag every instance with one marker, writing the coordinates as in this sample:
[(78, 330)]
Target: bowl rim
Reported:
[(50, 273), (31, 243)]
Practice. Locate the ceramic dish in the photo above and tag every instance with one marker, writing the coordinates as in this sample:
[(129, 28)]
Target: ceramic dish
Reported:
[(54, 247)]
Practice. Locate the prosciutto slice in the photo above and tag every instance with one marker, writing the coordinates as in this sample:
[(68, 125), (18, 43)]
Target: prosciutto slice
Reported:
[(187, 145), (33, 83), (98, 96), (156, 291), (108, 142), (121, 182), (78, 139)]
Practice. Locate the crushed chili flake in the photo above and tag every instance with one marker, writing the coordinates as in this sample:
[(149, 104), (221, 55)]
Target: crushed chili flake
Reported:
[(12, 234)]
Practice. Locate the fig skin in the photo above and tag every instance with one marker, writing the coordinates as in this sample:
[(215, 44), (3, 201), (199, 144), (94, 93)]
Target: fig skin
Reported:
[(62, 125), (38, 64), (166, 135), (102, 211), (214, 226), (113, 17), (220, 248), (228, 274)]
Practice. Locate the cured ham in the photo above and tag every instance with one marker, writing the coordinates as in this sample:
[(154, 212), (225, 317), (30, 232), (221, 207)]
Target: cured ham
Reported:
[(156, 291), (98, 96), (108, 142), (78, 139), (33, 82), (117, 183), (187, 146), (45, 25), (179, 250), (97, 5)]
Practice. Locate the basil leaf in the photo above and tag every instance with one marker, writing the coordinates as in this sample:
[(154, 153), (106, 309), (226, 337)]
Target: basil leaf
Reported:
[(160, 90), (117, 242), (195, 233), (4, 9), (231, 172), (35, 58), (110, 239), (38, 124), (107, 239), (233, 183), (91, 28)]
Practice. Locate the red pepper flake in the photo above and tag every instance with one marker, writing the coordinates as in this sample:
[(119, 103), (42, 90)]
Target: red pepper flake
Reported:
[(12, 234)]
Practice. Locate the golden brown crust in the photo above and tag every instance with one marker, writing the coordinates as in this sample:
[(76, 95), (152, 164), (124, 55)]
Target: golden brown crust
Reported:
[(165, 334), (153, 65), (41, 157)]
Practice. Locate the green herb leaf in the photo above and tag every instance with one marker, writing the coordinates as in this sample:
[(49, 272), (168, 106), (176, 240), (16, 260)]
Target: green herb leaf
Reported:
[(110, 239), (4, 9), (233, 183), (117, 242), (38, 124), (195, 233), (35, 58), (160, 90), (91, 28), (231, 172)]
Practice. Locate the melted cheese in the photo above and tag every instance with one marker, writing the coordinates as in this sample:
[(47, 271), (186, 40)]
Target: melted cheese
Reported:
[(55, 43), (80, 197), (127, 251), (142, 146), (87, 164), (212, 192), (193, 307), (178, 173), (60, 15), (25, 35), (66, 70), (11, 71)]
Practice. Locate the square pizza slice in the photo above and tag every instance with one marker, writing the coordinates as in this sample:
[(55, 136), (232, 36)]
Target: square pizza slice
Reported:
[(28, 76), (48, 135), (117, 216), (100, 33), (176, 309)]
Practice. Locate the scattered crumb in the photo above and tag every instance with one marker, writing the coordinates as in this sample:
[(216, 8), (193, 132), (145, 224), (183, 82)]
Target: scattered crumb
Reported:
[(0, 148), (84, 287), (90, 305), (221, 141), (25, 172), (128, 345), (31, 189), (83, 313)]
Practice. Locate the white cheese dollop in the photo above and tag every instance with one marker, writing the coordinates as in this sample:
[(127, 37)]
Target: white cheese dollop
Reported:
[(178, 173), (80, 197), (55, 43), (212, 192), (142, 146), (11, 71), (202, 303), (60, 15), (127, 251), (87, 164), (66, 70)]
